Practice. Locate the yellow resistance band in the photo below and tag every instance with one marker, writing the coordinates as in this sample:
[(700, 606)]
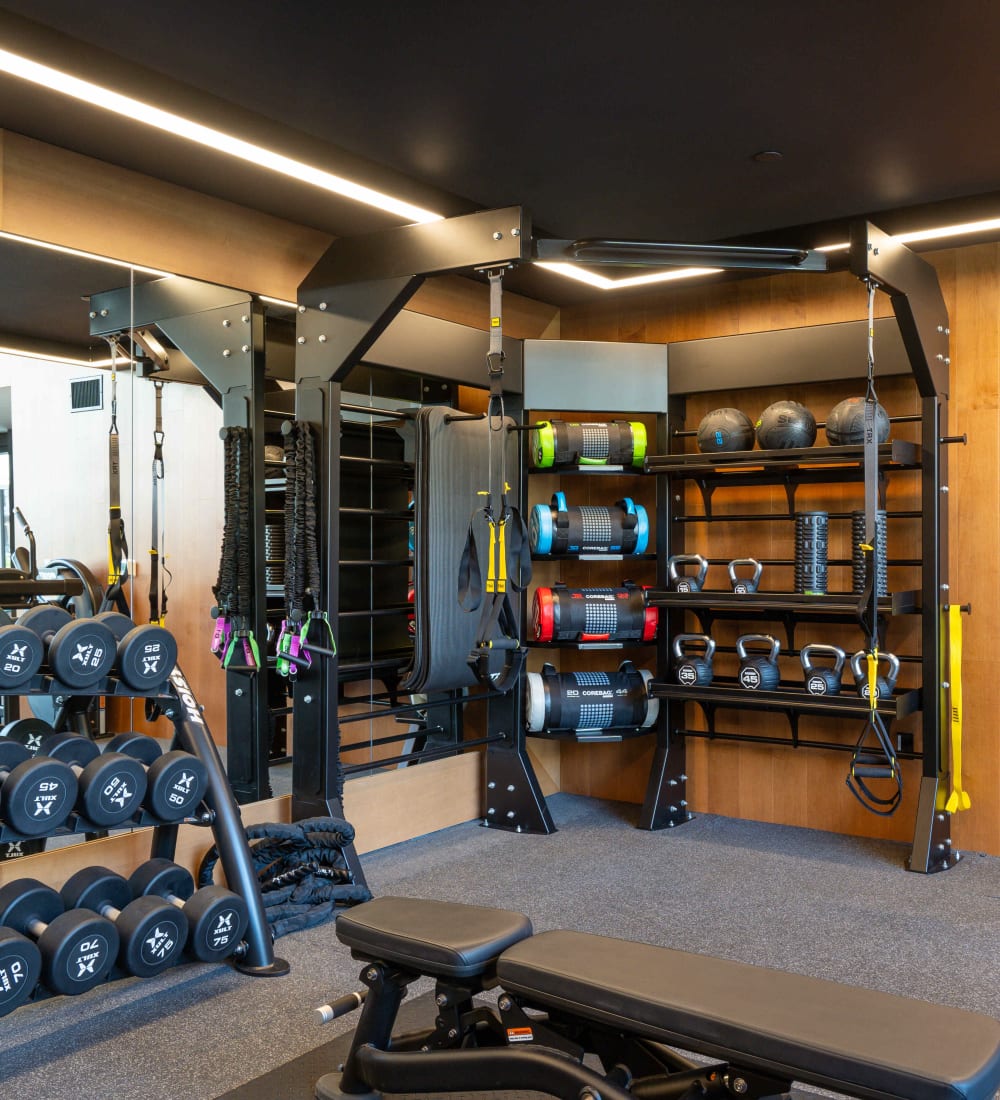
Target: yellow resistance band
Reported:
[(958, 799)]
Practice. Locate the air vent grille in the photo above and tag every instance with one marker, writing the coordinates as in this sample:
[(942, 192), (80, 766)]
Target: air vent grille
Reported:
[(87, 394)]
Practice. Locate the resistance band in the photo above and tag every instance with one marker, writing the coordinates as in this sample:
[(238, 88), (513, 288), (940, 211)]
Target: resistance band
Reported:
[(874, 755), (117, 543), (157, 587), (958, 799), (498, 629), (306, 629)]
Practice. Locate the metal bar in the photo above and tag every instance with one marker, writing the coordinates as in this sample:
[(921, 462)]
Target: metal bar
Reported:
[(424, 754), (754, 517), (664, 254), (395, 738), (798, 743)]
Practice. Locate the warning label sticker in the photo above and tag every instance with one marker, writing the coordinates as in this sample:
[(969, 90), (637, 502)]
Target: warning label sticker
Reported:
[(520, 1035)]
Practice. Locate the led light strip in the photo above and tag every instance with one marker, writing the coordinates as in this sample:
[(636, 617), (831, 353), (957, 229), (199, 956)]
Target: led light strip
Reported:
[(48, 245), (66, 359)]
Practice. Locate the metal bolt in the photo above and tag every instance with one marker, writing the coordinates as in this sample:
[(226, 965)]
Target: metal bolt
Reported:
[(683, 778), (226, 353), (302, 309), (93, 314), (944, 488), (670, 824), (945, 684), (245, 348), (504, 1004), (515, 232), (672, 783), (371, 973), (226, 323), (491, 811), (673, 809), (940, 817), (947, 331), (510, 787), (60, 699), (941, 847), (441, 999), (947, 841), (510, 813), (301, 340), (944, 588), (739, 1084), (518, 828), (683, 801), (238, 692), (322, 305), (498, 236), (940, 358), (947, 358), (104, 313), (307, 699), (490, 785), (245, 319), (940, 328), (452, 1033), (321, 338)]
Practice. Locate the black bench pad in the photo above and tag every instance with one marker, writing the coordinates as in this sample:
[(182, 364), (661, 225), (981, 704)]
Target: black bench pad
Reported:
[(441, 939), (817, 1032)]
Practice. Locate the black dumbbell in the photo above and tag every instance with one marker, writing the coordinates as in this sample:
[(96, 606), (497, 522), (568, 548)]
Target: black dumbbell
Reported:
[(111, 785), (145, 655), (693, 670), (823, 679), (20, 969), (216, 916), (21, 655), (37, 794), (176, 781), (79, 652), (758, 672), (151, 932), (78, 948), (28, 731)]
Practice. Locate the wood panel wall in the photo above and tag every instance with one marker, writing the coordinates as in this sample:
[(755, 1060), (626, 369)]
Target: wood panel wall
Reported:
[(806, 787)]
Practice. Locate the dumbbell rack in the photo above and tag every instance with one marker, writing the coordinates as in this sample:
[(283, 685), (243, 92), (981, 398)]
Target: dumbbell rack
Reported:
[(176, 701)]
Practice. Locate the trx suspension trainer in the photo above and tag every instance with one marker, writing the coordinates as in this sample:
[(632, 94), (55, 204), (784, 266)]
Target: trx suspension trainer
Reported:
[(114, 598), (498, 627), (157, 586)]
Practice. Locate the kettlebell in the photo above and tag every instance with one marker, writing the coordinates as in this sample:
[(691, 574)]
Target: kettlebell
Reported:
[(681, 583), (691, 670), (745, 585), (823, 680), (883, 684), (759, 672)]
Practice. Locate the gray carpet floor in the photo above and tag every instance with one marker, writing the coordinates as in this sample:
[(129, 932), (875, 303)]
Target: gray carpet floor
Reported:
[(810, 902)]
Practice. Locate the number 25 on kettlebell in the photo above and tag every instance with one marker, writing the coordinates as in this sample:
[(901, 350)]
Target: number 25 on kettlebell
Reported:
[(758, 672), (691, 669), (822, 679)]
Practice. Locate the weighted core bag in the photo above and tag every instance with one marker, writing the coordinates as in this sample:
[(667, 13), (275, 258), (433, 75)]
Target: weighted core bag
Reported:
[(564, 443), (557, 528), (561, 614), (786, 425), (589, 701), (846, 422), (725, 430)]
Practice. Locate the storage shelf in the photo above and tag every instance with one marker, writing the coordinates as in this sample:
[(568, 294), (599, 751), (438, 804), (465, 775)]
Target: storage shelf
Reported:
[(726, 466), (588, 471), (583, 737), (628, 644), (593, 557), (906, 602)]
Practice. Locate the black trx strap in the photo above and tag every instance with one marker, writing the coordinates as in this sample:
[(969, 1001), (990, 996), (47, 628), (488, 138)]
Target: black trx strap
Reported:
[(306, 628), (117, 544), (498, 628), (157, 590), (874, 755)]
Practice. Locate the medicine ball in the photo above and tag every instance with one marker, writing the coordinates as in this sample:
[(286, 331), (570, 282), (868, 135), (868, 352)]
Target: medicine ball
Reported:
[(784, 425), (725, 430), (846, 422)]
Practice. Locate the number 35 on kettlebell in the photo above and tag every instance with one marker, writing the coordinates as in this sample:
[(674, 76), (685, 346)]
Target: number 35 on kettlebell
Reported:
[(691, 669), (822, 679), (883, 684), (758, 671), (680, 582)]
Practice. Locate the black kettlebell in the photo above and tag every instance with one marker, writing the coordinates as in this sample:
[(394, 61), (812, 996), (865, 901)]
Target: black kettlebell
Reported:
[(681, 583), (745, 585), (692, 670), (823, 680), (883, 684), (758, 672)]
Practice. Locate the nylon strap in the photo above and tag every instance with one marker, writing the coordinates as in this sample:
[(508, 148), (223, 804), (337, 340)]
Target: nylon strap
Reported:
[(157, 590), (958, 798), (117, 544)]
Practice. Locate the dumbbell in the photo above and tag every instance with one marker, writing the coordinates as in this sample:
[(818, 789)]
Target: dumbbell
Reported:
[(883, 684), (36, 794), (176, 781), (151, 932), (145, 655), (823, 680), (111, 785), (21, 655), (216, 916), (745, 585), (692, 670), (79, 652), (20, 969), (78, 947), (682, 583), (758, 672), (28, 731)]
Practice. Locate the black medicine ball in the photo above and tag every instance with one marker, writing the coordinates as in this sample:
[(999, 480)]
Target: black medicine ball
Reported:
[(725, 430), (846, 422), (784, 425)]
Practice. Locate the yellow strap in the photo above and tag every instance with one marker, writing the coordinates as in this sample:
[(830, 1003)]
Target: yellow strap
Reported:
[(873, 680), (958, 799)]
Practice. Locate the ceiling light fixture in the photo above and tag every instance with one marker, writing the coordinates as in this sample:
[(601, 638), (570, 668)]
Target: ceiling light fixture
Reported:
[(48, 245), (98, 96), (602, 282), (65, 359)]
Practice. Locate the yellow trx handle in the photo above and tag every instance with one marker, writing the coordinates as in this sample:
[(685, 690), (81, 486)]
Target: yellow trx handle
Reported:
[(958, 799)]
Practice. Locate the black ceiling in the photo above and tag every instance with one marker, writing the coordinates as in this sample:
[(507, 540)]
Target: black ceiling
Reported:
[(634, 119)]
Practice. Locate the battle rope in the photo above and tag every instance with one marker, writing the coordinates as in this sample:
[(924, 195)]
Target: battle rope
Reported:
[(157, 585), (958, 799), (117, 543), (306, 628), (302, 871), (874, 754), (498, 628), (233, 635)]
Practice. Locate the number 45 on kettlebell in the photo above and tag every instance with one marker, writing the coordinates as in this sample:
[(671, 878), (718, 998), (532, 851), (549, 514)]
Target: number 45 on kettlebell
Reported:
[(758, 672)]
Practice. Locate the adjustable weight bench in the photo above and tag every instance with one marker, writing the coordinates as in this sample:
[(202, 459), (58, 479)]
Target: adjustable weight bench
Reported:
[(564, 995)]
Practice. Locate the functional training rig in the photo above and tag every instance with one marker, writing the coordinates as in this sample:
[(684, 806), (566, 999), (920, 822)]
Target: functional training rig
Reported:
[(565, 995)]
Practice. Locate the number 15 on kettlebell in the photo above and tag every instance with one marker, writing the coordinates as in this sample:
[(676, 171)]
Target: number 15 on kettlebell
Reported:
[(758, 671)]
